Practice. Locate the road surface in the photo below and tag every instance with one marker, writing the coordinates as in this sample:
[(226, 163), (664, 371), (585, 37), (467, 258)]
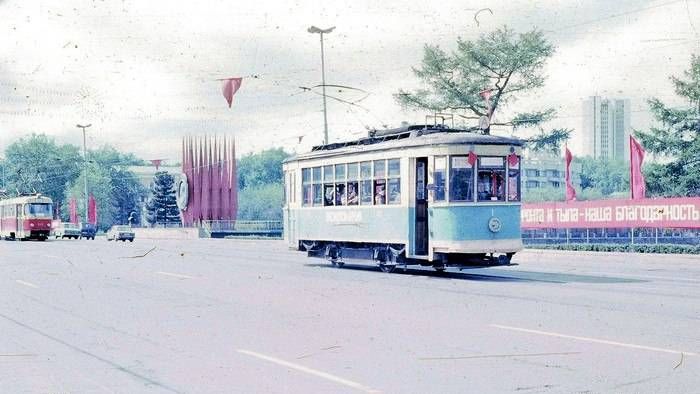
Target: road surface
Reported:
[(230, 316)]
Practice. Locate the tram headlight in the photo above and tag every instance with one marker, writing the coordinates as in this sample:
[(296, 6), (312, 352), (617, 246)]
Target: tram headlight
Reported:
[(495, 224), (31, 224)]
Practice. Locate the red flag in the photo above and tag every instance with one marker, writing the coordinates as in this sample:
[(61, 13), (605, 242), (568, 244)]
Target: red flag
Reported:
[(156, 163), (637, 184), (216, 183), (230, 87), (92, 210), (513, 160), (472, 158), (73, 208), (570, 191)]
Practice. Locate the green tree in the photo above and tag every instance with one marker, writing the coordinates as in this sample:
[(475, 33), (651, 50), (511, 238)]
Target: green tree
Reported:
[(676, 139), (108, 157), (507, 64), (261, 168), (38, 164), (263, 202), (127, 192), (100, 186), (605, 175), (546, 193), (162, 205)]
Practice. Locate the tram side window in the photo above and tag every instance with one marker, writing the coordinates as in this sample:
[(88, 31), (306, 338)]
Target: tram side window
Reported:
[(491, 179), (394, 181), (366, 183), (352, 196), (340, 184), (317, 186), (379, 182), (461, 179), (328, 186), (439, 178), (306, 186), (514, 182)]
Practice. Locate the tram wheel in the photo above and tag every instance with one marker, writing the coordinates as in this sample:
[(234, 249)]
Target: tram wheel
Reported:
[(440, 268), (337, 264), (388, 268)]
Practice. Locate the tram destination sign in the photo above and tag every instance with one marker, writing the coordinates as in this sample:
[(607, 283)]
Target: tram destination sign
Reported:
[(661, 212)]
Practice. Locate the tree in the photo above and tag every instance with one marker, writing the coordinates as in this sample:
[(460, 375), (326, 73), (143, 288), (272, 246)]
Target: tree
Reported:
[(504, 64), (162, 206), (100, 186), (107, 156), (261, 168), (127, 192), (261, 202), (605, 175), (676, 139), (546, 193), (38, 164)]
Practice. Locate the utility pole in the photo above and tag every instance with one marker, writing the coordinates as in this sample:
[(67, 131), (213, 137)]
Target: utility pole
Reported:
[(85, 218), (321, 32)]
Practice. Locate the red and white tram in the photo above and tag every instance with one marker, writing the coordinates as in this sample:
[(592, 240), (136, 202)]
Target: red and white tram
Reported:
[(26, 217)]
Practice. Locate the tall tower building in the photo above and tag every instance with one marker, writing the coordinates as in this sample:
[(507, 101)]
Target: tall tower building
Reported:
[(606, 127)]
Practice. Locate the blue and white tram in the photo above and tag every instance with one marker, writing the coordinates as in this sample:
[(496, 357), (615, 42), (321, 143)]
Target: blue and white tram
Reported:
[(417, 195)]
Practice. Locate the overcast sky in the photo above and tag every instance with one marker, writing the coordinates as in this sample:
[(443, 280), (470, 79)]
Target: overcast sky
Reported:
[(144, 73)]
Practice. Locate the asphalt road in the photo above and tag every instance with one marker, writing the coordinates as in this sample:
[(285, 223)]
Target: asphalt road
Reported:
[(225, 316)]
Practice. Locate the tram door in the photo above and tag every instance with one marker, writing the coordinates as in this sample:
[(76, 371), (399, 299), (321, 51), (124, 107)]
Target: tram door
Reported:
[(421, 213)]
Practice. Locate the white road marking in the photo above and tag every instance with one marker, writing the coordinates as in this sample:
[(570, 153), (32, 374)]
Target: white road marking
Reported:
[(32, 285), (181, 276), (602, 341), (50, 256), (310, 371)]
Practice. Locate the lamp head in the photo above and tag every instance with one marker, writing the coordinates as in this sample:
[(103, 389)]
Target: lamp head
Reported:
[(314, 29)]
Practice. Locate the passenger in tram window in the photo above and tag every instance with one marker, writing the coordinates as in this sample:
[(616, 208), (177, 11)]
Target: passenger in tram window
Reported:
[(340, 194), (328, 195), (484, 186), (352, 194), (379, 192)]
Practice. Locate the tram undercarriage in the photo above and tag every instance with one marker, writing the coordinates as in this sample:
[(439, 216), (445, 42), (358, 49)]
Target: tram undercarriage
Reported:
[(388, 257)]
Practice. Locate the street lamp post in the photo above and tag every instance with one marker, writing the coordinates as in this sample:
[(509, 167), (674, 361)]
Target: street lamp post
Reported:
[(321, 32), (85, 168)]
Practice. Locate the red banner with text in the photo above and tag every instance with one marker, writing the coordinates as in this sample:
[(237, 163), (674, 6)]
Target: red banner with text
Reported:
[(661, 212)]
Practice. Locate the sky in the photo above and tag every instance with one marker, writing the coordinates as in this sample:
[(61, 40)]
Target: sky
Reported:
[(146, 73)]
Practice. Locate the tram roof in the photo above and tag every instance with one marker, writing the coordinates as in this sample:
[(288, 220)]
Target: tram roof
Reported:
[(34, 198), (406, 137)]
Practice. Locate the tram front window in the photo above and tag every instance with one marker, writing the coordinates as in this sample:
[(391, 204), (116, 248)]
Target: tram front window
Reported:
[(38, 210), (491, 179), (461, 179)]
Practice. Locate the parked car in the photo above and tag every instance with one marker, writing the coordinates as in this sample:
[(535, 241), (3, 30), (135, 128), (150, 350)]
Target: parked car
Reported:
[(66, 230), (120, 233), (88, 231)]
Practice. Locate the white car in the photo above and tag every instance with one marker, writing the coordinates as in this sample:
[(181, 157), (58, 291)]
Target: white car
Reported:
[(120, 233), (66, 230)]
